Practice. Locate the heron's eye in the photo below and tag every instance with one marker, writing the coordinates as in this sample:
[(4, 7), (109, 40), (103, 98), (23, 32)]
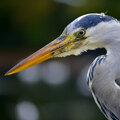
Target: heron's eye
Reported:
[(81, 33)]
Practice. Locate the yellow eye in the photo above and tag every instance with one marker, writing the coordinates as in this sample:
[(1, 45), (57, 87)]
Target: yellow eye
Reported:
[(81, 33)]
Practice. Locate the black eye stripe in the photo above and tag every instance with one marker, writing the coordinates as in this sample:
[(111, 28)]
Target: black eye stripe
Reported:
[(92, 20)]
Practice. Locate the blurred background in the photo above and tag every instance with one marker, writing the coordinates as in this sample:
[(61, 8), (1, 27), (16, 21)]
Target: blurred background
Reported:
[(55, 89)]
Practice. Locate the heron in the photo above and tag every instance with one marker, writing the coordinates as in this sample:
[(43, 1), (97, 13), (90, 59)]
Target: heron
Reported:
[(89, 32)]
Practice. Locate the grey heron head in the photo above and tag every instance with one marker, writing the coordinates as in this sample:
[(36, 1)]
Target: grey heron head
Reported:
[(89, 31)]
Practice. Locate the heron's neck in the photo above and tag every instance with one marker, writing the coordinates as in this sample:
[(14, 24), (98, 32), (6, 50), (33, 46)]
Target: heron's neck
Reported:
[(113, 58), (113, 49), (105, 88)]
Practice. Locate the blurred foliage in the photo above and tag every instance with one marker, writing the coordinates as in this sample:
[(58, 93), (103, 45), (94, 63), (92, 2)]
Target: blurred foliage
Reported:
[(28, 24)]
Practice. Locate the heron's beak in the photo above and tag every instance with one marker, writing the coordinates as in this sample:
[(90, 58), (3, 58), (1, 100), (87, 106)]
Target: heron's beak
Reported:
[(51, 50)]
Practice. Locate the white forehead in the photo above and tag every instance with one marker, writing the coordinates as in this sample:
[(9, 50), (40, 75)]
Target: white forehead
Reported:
[(87, 21), (83, 16)]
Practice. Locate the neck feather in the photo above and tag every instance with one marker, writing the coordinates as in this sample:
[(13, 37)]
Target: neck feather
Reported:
[(104, 86)]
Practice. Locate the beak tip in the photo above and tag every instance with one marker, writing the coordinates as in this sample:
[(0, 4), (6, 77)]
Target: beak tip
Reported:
[(5, 74), (41, 55), (8, 73)]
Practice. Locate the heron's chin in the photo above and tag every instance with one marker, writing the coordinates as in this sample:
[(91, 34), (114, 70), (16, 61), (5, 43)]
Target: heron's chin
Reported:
[(68, 53)]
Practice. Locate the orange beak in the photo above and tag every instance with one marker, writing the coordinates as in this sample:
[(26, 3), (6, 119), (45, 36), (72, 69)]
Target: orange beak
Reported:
[(47, 52)]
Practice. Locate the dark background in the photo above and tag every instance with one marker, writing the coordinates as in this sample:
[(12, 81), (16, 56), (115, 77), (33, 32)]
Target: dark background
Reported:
[(55, 89)]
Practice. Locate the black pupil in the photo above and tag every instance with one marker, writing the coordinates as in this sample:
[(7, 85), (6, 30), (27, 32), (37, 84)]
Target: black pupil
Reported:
[(81, 32)]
